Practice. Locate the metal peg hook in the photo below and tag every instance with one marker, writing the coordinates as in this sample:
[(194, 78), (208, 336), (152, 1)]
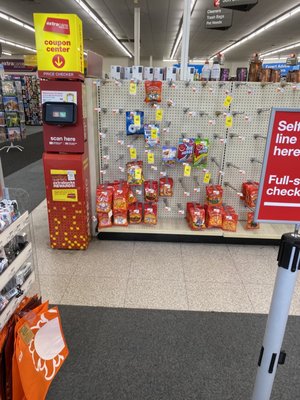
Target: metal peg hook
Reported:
[(221, 84), (234, 113), (121, 157), (237, 84), (187, 83), (196, 181), (241, 171), (227, 184), (180, 180), (180, 208), (255, 160), (215, 162), (260, 136), (201, 113), (261, 110), (186, 109)]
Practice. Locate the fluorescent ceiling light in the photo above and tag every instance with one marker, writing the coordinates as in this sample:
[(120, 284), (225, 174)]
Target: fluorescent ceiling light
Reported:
[(7, 17), (89, 11), (20, 46), (6, 53), (278, 20), (179, 36), (196, 60), (292, 46), (169, 60)]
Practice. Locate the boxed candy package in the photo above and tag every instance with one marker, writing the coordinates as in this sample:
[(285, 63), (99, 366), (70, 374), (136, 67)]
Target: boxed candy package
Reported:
[(185, 150)]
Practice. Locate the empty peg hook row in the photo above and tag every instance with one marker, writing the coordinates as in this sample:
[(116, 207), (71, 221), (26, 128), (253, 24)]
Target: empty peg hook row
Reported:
[(227, 184), (261, 110), (253, 159), (256, 136)]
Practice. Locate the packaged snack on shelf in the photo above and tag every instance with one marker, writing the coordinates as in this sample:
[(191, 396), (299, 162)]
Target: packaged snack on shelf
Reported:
[(250, 193), (153, 91), (230, 219), (134, 122), (185, 150), (200, 156), (131, 198), (250, 224), (135, 172), (214, 195), (152, 135), (169, 156), (120, 218), (166, 185), (150, 213), (120, 196), (195, 215), (214, 216), (151, 191), (135, 213), (104, 196), (104, 220)]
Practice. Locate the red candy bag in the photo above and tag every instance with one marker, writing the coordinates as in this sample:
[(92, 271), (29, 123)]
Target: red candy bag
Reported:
[(153, 91), (195, 215), (214, 195), (150, 213), (135, 213), (151, 191), (166, 187)]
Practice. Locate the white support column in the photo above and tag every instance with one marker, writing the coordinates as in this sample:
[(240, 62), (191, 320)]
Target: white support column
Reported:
[(137, 35), (185, 41), (151, 61)]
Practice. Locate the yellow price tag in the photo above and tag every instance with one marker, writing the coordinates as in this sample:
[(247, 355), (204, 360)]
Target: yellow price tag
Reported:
[(137, 120), (187, 170), (132, 153), (132, 88), (159, 114), (138, 173), (228, 121), (150, 158), (227, 101), (207, 177), (154, 133)]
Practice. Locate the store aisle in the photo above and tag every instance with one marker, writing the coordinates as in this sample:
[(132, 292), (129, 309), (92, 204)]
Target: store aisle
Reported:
[(171, 276)]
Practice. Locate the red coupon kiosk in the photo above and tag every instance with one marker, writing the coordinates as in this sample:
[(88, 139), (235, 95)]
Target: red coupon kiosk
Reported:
[(66, 166)]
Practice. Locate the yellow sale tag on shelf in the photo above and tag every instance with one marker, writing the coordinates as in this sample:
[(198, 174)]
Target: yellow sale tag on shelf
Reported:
[(154, 133), (132, 88), (138, 173), (187, 170), (137, 120), (132, 153), (159, 114), (150, 158), (206, 178), (227, 101), (228, 121)]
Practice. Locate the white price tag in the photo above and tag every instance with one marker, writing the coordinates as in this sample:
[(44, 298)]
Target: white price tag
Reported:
[(71, 175)]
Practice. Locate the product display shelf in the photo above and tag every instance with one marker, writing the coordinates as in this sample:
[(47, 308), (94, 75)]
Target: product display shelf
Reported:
[(179, 227), (198, 109), (11, 231), (23, 224), (13, 304), (15, 265)]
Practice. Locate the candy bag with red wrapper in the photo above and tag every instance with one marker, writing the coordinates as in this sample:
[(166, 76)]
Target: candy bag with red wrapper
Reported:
[(153, 91), (120, 217), (135, 213), (151, 191), (214, 195), (104, 220), (150, 213), (185, 150), (214, 216), (131, 198), (250, 224), (120, 196), (195, 215), (250, 193), (230, 219), (104, 196), (166, 187)]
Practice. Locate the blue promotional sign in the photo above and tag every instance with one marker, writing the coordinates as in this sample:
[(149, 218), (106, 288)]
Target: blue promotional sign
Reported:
[(282, 67), (198, 67)]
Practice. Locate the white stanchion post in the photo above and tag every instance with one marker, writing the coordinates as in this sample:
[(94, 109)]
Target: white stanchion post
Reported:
[(271, 354)]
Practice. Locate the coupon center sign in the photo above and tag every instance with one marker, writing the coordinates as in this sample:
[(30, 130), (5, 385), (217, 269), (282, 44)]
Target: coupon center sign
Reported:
[(59, 46), (279, 191)]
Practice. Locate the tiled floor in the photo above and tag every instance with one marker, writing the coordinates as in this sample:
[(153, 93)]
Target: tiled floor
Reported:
[(176, 276)]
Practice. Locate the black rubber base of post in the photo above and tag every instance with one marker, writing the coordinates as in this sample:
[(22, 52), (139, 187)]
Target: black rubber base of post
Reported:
[(287, 243)]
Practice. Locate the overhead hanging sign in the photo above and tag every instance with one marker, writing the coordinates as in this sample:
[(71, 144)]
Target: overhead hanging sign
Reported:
[(241, 5), (30, 60), (218, 18), (279, 190), (59, 45), (16, 65)]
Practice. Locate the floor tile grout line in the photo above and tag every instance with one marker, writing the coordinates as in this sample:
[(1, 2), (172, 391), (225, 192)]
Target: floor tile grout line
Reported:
[(184, 278)]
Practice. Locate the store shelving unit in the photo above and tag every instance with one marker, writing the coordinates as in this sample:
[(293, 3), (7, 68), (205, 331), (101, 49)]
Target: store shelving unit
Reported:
[(22, 224), (197, 109)]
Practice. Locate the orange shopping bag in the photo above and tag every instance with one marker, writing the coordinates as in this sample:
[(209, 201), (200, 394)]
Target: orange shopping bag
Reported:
[(40, 351)]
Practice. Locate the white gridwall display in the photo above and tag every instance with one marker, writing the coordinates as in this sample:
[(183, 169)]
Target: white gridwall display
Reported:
[(198, 111), (251, 107)]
